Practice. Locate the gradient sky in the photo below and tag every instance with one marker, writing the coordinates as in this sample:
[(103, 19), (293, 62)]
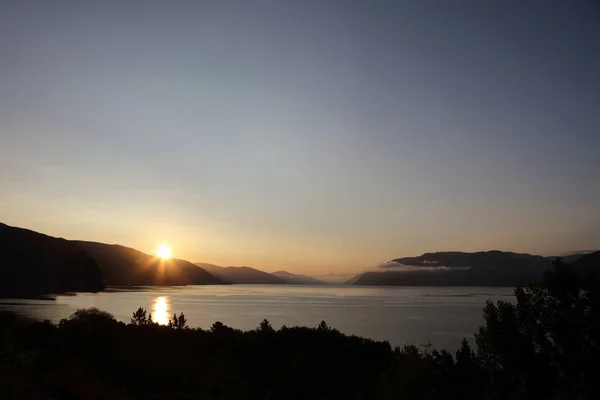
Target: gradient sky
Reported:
[(311, 136)]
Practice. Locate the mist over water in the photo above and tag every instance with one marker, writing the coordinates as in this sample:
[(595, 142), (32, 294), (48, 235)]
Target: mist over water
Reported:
[(414, 315)]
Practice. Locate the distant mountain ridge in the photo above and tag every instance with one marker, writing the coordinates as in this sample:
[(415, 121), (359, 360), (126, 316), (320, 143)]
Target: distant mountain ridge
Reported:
[(335, 278), (587, 261), (242, 275), (299, 279), (253, 276), (486, 268), (462, 259), (573, 256)]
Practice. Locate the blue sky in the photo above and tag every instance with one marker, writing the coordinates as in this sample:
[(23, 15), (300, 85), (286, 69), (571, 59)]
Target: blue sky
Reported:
[(303, 135)]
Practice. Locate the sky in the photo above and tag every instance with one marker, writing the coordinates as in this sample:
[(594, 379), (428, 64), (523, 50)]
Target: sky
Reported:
[(310, 136)]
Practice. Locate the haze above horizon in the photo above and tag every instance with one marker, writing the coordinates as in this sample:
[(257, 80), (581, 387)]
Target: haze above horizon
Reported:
[(314, 137)]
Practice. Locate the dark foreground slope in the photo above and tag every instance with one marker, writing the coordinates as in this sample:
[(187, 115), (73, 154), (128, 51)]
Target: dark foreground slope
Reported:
[(490, 268), (242, 275), (527, 350), (32, 263), (124, 266)]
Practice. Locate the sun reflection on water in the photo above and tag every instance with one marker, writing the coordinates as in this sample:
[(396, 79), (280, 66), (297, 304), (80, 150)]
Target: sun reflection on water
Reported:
[(160, 310)]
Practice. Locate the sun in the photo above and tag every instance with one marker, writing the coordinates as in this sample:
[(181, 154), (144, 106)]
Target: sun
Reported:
[(164, 251)]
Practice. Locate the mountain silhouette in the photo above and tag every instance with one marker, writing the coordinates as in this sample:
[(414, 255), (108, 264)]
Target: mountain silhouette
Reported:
[(335, 278), (481, 259), (124, 266), (489, 268), (590, 261), (298, 279), (573, 256), (242, 275), (32, 264)]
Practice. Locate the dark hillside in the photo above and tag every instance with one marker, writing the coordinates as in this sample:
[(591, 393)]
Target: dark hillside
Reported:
[(32, 263)]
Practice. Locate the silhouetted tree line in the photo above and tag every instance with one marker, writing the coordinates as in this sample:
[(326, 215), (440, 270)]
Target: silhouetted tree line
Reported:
[(544, 346)]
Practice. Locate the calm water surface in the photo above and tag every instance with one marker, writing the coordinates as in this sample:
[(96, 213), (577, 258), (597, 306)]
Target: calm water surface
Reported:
[(442, 315)]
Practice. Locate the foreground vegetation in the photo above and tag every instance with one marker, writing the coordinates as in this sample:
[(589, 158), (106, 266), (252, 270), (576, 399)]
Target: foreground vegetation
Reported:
[(546, 346)]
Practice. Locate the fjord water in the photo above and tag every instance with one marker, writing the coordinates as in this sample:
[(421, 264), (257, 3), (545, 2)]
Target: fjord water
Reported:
[(401, 315)]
